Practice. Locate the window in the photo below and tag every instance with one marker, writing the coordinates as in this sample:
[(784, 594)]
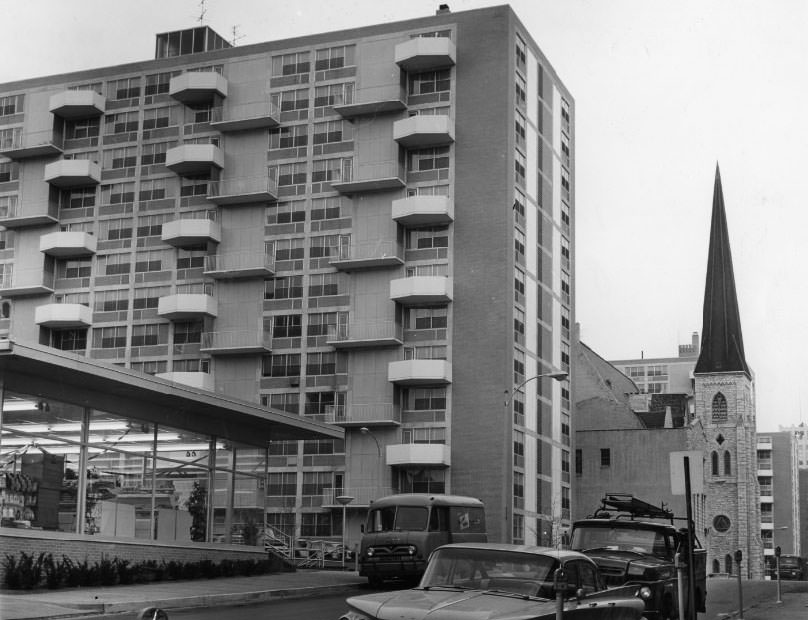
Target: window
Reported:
[(721, 523), (74, 268), (114, 264), (323, 284), (69, 339), (149, 297), (518, 489), (187, 332), (127, 88), (436, 158), (426, 399), (321, 323), (322, 363), (11, 104), (290, 64), (579, 462), (122, 122), (520, 128), (120, 158), (287, 325), (520, 166), (427, 318), (521, 52), (157, 83), (727, 463), (286, 401), (286, 212), (719, 408), (518, 365), (428, 435), (521, 90), (518, 448), (326, 208), (335, 57), (333, 94), (319, 524), (156, 118), (430, 82), (196, 185), (82, 128), (518, 283), (291, 174), (111, 301), (324, 446), (282, 483), (518, 324), (321, 403), (518, 409), (519, 245), (154, 189), (10, 137), (151, 367), (289, 100), (199, 113), (151, 261), (289, 249), (332, 131), (114, 230), (426, 270), (605, 457), (190, 259), (327, 170), (9, 171), (425, 238), (282, 365), (149, 335), (151, 225), (109, 337), (289, 287), (428, 190), (117, 193), (288, 136)]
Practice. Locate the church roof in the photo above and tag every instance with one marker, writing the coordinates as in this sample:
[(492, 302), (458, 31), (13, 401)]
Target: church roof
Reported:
[(721, 338)]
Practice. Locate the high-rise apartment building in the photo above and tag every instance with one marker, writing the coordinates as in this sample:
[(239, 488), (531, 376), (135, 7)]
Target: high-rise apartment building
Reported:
[(372, 227)]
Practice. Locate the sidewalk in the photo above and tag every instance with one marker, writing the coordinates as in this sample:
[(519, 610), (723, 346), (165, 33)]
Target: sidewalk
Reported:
[(794, 606), (173, 594)]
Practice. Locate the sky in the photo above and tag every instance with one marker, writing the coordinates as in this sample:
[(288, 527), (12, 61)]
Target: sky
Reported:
[(663, 91)]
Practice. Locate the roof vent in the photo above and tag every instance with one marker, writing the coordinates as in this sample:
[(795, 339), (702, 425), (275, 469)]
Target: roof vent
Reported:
[(442, 8)]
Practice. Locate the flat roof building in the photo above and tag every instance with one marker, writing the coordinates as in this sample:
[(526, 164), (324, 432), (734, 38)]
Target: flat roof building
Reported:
[(372, 229)]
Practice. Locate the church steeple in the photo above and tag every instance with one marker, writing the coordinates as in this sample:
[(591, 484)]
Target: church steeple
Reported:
[(721, 338)]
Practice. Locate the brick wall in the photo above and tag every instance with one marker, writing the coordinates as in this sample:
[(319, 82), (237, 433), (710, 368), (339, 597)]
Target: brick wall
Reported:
[(79, 548)]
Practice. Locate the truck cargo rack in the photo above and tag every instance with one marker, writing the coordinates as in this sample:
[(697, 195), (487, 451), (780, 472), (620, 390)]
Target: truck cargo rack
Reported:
[(632, 507)]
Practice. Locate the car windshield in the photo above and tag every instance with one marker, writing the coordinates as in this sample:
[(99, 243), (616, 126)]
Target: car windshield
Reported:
[(639, 540), (398, 518), (492, 570), (786, 561)]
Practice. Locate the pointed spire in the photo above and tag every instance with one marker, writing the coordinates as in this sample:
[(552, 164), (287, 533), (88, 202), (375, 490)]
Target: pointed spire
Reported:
[(721, 338)]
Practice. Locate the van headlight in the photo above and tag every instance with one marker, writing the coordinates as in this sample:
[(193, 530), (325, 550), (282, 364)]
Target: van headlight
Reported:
[(644, 593), (369, 552), (411, 549)]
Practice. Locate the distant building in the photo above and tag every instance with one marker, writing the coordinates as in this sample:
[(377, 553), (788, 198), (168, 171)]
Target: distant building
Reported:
[(663, 375)]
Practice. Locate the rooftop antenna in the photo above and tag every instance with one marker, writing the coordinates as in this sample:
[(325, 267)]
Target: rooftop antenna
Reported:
[(202, 12), (236, 35)]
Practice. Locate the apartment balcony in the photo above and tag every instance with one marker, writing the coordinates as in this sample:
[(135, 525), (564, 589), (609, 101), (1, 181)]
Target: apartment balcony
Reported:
[(245, 116), (425, 53), (370, 414), (364, 335), (419, 372), (243, 190), (198, 380), (417, 290), (373, 101), (191, 159), (424, 130), (353, 256), (193, 87), (32, 144), (239, 265), (240, 342), (423, 210), (68, 173), (187, 306), (68, 244), (36, 214), (29, 282), (427, 454), (77, 104), (363, 496), (63, 315), (185, 233), (372, 177)]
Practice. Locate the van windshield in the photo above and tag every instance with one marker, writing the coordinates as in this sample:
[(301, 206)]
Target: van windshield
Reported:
[(398, 518)]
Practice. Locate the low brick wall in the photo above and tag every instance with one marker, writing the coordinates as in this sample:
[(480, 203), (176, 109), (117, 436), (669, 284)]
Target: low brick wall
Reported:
[(92, 548)]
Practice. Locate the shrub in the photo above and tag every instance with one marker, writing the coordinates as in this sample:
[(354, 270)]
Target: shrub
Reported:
[(12, 577), (24, 573), (105, 572), (125, 571), (173, 569), (54, 572), (209, 569)]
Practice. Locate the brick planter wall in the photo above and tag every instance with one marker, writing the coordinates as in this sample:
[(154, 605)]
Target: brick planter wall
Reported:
[(92, 548)]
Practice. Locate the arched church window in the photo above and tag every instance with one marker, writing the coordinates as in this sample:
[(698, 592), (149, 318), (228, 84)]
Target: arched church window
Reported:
[(714, 457), (727, 463), (719, 408), (716, 566), (728, 564)]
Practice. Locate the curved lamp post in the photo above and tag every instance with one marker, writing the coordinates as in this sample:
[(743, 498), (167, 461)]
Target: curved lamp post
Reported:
[(558, 375), (344, 500)]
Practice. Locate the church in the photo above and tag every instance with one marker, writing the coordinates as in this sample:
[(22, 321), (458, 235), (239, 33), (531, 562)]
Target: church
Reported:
[(623, 438)]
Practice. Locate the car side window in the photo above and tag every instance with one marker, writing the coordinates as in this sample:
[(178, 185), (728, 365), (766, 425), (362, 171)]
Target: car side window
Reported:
[(573, 575), (589, 577)]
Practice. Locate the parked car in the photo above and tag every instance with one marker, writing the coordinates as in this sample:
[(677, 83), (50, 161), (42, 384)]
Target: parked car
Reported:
[(499, 581)]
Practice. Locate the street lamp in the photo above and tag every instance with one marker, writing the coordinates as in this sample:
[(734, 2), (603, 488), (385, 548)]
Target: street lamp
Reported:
[(344, 500), (366, 431), (558, 375)]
